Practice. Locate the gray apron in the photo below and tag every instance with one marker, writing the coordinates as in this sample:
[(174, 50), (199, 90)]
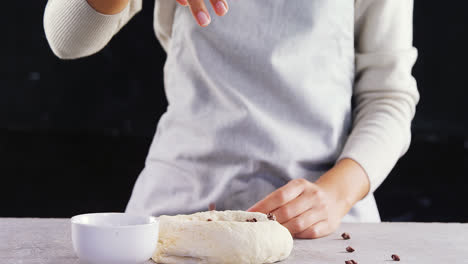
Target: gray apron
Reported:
[(259, 97)]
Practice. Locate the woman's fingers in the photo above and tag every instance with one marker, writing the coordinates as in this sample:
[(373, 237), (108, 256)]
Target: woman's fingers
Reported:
[(220, 7), (304, 208), (199, 12), (302, 222), (317, 230), (182, 2), (311, 197), (280, 197), (294, 208)]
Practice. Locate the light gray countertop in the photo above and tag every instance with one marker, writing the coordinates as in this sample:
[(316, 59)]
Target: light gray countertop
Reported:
[(48, 241)]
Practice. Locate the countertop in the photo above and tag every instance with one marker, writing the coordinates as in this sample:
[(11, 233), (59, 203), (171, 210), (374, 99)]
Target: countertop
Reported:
[(48, 241)]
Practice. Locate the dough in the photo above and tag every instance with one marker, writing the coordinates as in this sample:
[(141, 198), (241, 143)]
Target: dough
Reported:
[(230, 237)]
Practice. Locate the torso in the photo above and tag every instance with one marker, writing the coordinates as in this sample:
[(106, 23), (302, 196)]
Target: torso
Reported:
[(259, 97)]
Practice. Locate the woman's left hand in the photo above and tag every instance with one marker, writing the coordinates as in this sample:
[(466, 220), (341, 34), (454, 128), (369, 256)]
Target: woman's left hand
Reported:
[(313, 210), (306, 209)]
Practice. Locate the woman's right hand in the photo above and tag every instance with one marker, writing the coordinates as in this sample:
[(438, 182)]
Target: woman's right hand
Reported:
[(200, 12)]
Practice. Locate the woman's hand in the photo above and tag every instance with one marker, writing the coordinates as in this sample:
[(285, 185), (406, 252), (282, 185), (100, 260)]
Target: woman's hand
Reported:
[(306, 209), (108, 7), (200, 12), (312, 210)]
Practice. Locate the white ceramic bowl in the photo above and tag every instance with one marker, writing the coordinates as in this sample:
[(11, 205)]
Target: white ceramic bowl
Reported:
[(114, 238)]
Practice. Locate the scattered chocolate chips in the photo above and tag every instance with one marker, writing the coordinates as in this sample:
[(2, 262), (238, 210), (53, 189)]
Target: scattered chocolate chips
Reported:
[(350, 249), (212, 206), (345, 236), (271, 217), (351, 262), (209, 220), (251, 220), (395, 257)]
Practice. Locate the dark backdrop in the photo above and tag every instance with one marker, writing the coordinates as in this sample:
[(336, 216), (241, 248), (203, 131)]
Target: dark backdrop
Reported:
[(74, 134)]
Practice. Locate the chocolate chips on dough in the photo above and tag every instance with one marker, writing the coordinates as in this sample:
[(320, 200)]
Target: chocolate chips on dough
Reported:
[(222, 237)]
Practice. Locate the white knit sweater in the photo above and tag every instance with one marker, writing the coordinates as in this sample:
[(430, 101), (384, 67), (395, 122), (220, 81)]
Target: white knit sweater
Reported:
[(385, 92)]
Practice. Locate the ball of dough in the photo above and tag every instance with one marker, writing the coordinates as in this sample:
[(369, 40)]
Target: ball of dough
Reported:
[(222, 237)]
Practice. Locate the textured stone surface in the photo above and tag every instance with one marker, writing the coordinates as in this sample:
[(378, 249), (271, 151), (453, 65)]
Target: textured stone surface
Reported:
[(48, 241)]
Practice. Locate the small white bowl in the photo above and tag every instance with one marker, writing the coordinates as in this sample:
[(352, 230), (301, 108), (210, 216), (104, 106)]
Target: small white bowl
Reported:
[(114, 238)]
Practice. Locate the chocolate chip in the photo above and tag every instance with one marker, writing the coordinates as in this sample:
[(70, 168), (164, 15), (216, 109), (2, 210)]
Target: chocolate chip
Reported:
[(251, 220), (352, 261), (271, 217), (209, 220), (345, 236), (395, 257), (212, 206), (350, 249)]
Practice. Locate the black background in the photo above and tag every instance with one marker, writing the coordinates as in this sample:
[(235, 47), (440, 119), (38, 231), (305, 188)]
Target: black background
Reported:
[(74, 134)]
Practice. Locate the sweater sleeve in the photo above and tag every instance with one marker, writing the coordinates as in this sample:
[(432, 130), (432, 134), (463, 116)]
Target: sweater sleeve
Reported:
[(385, 93), (74, 29)]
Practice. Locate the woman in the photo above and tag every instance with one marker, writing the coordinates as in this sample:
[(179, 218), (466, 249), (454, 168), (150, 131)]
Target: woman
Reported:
[(260, 114)]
